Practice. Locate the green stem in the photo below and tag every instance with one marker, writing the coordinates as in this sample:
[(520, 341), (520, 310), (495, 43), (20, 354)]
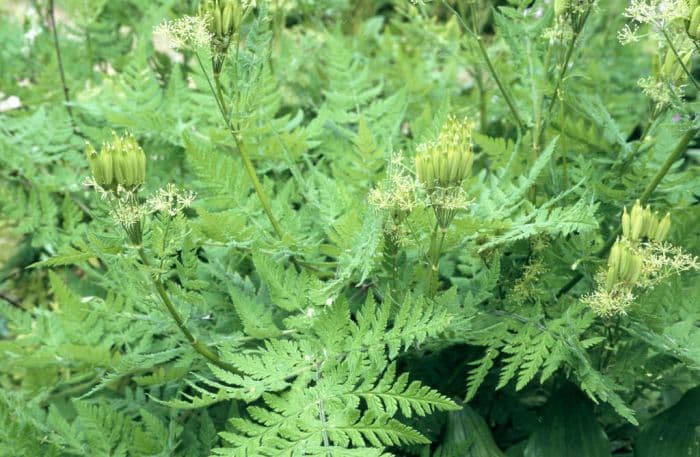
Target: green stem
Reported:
[(220, 94), (436, 240), (489, 64), (562, 72), (680, 148), (248, 164), (482, 100), (62, 73), (198, 346)]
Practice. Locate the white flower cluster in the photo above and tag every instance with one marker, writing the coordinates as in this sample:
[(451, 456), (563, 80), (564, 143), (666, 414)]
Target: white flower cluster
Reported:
[(398, 192), (170, 200), (186, 32), (126, 210), (658, 14)]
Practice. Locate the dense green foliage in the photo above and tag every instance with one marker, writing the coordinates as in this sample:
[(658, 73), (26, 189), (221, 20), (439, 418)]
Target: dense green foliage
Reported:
[(283, 284)]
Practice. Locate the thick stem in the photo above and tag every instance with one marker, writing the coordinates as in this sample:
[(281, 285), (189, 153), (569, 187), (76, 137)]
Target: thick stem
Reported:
[(198, 346), (680, 148)]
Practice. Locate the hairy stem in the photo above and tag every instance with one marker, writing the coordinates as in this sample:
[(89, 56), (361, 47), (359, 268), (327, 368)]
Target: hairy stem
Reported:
[(198, 346), (680, 148)]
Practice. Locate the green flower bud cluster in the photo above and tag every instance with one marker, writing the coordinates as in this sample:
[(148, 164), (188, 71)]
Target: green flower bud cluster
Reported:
[(642, 223), (624, 266), (694, 22), (446, 162), (120, 164), (223, 20), (223, 17)]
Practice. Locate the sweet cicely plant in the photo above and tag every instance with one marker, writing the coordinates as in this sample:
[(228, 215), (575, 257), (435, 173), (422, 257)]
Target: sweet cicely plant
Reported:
[(349, 228)]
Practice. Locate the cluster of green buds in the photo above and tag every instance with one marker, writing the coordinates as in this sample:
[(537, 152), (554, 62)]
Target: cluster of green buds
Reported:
[(624, 266), (223, 20), (446, 162), (119, 165), (694, 22), (442, 166), (642, 223)]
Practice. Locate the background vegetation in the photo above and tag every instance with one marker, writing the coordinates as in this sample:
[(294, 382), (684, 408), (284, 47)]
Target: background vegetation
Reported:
[(286, 286)]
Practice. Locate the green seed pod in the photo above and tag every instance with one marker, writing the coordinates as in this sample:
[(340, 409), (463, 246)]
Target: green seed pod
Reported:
[(625, 263), (119, 161), (637, 221), (646, 221), (672, 68), (227, 18), (611, 279), (423, 171), (635, 269), (694, 24), (668, 66), (626, 223), (140, 166), (95, 162), (614, 260), (663, 229), (615, 256), (653, 225), (218, 21), (107, 169)]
